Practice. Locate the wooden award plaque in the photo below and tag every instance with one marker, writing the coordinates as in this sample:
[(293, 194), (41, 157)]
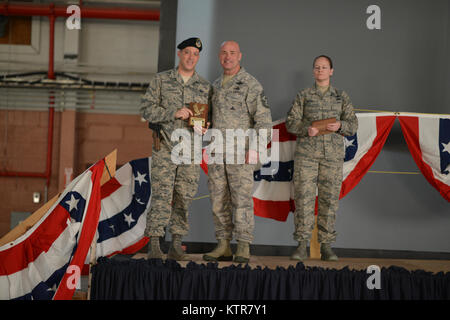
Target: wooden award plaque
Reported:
[(200, 114), (322, 125)]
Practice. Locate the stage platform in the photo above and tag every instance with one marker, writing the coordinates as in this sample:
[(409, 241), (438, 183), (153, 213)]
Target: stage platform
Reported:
[(269, 278), (272, 262)]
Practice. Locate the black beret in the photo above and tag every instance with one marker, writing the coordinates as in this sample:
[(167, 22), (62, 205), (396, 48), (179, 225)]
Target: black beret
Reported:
[(191, 42)]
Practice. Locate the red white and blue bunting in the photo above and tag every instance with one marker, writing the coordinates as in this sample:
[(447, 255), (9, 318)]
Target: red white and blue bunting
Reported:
[(274, 195), (35, 266), (428, 139), (39, 264)]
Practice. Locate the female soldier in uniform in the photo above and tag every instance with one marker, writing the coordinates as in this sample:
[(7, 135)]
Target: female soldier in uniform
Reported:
[(319, 157)]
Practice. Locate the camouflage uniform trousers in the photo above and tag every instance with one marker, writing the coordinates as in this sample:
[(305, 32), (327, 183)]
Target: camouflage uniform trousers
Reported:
[(231, 188), (326, 176), (173, 188)]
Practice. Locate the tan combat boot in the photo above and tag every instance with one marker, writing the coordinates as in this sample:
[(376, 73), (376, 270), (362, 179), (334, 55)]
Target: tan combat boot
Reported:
[(176, 251), (222, 252), (326, 253), (154, 250), (242, 253), (300, 254)]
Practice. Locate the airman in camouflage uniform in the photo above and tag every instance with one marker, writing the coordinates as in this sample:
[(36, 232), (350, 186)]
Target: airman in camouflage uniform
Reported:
[(173, 186), (319, 159), (238, 102)]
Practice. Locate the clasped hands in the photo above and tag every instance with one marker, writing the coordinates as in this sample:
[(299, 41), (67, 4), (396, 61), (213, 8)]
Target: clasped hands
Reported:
[(312, 131)]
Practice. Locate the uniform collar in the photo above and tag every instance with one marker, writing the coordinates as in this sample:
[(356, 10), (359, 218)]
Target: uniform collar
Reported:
[(331, 90), (235, 78), (174, 74)]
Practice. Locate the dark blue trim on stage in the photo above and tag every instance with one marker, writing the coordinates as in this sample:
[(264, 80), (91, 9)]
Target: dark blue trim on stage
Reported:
[(166, 280)]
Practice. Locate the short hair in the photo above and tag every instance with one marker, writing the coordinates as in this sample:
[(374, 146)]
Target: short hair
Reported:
[(326, 57)]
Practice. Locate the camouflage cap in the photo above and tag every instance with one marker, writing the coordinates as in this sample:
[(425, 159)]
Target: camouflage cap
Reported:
[(191, 42)]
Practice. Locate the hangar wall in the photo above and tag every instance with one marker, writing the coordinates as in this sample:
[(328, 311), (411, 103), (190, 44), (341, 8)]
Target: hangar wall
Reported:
[(88, 124)]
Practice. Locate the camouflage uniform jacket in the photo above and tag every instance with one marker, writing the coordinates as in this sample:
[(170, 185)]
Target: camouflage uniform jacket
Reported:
[(240, 104), (310, 105), (166, 94)]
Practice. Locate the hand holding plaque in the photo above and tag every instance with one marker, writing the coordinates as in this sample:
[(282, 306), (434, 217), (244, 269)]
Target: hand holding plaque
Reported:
[(199, 114), (321, 125)]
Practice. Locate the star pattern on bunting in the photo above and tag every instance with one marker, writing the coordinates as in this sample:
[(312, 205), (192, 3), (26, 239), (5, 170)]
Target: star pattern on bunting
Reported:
[(140, 178), (446, 147), (72, 203), (349, 142), (351, 147), (132, 199), (129, 219)]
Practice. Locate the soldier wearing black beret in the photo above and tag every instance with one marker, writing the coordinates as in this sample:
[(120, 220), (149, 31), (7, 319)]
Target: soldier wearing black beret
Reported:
[(174, 185), (191, 42)]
